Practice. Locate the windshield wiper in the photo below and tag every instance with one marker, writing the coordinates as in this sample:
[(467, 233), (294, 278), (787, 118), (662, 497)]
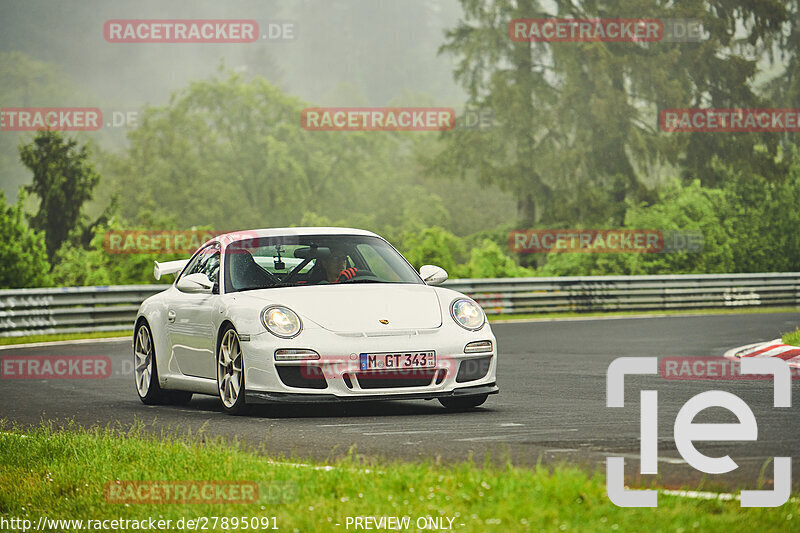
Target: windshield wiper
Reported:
[(267, 287)]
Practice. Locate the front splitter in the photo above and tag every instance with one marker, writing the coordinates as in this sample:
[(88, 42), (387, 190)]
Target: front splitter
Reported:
[(290, 397)]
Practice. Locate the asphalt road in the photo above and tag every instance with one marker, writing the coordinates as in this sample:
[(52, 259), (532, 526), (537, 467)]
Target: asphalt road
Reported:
[(552, 377)]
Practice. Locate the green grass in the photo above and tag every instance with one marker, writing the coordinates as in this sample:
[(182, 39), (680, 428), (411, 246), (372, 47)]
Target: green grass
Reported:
[(792, 338), (709, 311), (65, 337), (62, 474)]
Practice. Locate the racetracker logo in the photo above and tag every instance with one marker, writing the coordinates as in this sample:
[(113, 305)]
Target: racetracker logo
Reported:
[(420, 366), (157, 241), (686, 431), (729, 120), (173, 242), (180, 31), (378, 119), (198, 492), (604, 241), (50, 119), (709, 368), (476, 119), (56, 367), (555, 30)]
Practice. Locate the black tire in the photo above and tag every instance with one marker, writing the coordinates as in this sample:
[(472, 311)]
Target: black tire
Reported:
[(463, 403), (239, 406), (154, 395)]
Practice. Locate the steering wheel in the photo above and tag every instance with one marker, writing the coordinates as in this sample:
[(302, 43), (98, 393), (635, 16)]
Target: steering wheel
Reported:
[(360, 274)]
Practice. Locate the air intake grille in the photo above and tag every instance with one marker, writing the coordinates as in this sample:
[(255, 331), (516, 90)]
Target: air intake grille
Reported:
[(395, 379), (472, 369), (304, 377)]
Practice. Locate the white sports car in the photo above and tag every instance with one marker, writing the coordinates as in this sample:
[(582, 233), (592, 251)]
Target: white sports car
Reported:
[(307, 315)]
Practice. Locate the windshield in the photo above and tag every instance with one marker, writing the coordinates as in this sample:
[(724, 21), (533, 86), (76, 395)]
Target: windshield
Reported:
[(302, 260)]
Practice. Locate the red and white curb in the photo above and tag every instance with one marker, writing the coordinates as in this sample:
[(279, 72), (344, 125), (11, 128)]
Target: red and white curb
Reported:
[(774, 348)]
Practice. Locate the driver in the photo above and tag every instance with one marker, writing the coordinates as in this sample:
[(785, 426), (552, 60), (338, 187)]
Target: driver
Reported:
[(335, 267)]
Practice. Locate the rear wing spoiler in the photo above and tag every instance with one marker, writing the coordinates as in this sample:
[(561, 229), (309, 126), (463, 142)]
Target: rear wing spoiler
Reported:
[(168, 267)]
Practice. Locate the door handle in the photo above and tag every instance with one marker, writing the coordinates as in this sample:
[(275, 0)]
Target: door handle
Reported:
[(171, 316)]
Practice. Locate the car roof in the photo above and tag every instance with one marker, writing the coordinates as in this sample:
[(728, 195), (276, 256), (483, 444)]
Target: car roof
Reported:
[(310, 230)]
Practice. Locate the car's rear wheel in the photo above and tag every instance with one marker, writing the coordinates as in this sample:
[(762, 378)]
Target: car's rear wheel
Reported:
[(144, 368), (230, 373), (463, 403), (145, 372)]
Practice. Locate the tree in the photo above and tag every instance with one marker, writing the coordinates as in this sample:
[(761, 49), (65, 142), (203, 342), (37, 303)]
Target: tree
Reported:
[(489, 261), (26, 82), (22, 250), (63, 179), (577, 127), (762, 219), (433, 246), (232, 154), (78, 265)]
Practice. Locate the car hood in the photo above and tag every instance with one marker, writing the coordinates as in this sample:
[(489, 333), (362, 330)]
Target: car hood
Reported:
[(352, 308)]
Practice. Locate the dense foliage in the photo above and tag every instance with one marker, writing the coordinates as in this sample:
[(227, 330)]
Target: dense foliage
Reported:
[(574, 143), (191, 165), (22, 250)]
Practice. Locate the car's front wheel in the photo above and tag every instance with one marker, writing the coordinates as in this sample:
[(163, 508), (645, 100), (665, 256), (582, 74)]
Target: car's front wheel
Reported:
[(230, 373), (463, 403)]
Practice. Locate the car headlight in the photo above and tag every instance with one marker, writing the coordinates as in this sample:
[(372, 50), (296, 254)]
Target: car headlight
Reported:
[(281, 321), (467, 314)]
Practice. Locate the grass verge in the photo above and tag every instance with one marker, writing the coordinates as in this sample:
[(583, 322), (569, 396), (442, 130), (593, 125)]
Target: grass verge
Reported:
[(63, 474), (792, 338), (65, 337)]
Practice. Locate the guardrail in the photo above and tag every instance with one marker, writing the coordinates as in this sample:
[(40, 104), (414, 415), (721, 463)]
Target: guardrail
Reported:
[(632, 293), (71, 309), (113, 308)]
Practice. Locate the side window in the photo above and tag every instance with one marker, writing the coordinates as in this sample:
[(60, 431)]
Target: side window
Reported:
[(201, 259), (191, 268), (211, 267)]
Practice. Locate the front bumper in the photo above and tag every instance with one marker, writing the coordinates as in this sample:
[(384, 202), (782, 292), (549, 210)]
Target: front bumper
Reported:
[(284, 397), (339, 378)]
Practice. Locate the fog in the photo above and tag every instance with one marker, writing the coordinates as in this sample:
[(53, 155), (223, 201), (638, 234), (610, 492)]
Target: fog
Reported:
[(362, 52)]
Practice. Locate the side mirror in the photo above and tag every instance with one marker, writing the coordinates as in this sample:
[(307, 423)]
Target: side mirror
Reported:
[(433, 275), (195, 283)]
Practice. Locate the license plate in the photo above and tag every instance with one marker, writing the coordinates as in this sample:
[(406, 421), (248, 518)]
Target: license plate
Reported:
[(398, 361)]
